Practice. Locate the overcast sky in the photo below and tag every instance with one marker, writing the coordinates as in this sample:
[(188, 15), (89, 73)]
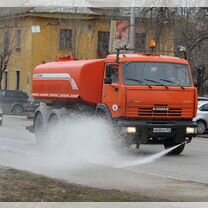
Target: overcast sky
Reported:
[(105, 3)]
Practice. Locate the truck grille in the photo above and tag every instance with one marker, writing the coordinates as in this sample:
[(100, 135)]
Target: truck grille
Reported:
[(165, 113), (160, 111)]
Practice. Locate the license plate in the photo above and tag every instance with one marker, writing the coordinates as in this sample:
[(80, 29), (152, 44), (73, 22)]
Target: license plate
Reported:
[(161, 130)]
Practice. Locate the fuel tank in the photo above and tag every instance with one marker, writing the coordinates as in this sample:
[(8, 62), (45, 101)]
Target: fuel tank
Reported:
[(69, 81)]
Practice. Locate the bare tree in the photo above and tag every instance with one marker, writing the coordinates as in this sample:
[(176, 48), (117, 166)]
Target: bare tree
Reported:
[(11, 22), (192, 32), (190, 26), (7, 45)]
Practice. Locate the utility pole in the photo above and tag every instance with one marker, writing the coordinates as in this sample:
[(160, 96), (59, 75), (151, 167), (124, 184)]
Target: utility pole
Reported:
[(132, 29)]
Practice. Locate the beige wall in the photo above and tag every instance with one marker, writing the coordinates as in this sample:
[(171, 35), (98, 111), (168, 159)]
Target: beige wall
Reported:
[(45, 45)]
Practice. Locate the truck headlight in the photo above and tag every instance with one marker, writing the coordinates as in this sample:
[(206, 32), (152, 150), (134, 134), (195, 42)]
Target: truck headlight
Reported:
[(190, 130), (131, 129)]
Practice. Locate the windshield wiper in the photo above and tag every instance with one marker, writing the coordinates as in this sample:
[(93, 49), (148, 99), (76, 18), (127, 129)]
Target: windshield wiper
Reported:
[(126, 64), (156, 81), (170, 81), (140, 81)]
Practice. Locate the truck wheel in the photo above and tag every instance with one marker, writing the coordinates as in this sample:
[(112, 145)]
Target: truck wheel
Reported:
[(129, 142), (39, 127), (40, 122), (201, 127), (101, 114), (169, 143), (56, 116), (53, 120)]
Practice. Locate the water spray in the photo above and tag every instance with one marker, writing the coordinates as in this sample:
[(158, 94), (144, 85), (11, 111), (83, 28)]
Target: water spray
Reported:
[(151, 158), (72, 146)]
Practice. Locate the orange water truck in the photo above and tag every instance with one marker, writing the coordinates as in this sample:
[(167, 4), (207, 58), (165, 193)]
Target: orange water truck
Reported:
[(150, 97)]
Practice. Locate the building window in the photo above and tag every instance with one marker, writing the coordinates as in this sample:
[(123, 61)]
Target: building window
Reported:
[(65, 39), (103, 44), (6, 41), (140, 42), (18, 40), (17, 80)]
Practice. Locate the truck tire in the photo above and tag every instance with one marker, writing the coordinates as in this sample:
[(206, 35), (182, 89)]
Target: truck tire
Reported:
[(131, 140), (53, 120), (39, 127), (103, 112), (40, 122), (56, 115), (170, 143)]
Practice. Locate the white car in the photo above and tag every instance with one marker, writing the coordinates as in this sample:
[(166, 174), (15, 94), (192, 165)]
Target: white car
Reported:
[(202, 98), (202, 117), (1, 116)]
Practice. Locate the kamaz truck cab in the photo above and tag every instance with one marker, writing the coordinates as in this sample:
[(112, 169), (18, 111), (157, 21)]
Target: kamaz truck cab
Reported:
[(151, 97)]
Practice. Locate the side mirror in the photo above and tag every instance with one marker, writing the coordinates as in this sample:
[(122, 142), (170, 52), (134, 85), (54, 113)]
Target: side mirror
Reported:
[(108, 80)]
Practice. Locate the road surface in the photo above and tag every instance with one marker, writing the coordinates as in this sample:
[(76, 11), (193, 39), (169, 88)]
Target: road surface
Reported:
[(175, 178)]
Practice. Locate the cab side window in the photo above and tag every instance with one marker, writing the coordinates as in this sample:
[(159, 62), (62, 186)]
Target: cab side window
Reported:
[(112, 71), (115, 75)]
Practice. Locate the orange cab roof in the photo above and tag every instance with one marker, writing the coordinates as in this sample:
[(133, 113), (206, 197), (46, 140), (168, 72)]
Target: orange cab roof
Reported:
[(146, 58)]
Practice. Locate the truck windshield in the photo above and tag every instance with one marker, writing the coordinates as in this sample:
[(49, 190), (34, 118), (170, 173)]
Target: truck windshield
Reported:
[(155, 74)]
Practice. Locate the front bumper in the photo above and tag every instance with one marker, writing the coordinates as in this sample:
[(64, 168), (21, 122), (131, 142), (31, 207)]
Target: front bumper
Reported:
[(149, 128)]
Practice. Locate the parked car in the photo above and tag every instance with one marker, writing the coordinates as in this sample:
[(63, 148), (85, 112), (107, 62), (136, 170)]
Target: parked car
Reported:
[(202, 117), (31, 105), (16, 102), (1, 116)]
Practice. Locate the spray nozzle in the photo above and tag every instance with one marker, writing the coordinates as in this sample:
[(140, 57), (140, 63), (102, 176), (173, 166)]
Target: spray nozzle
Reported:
[(187, 140)]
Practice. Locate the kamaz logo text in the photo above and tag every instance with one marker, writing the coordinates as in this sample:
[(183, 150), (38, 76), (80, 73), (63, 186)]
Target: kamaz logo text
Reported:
[(160, 109)]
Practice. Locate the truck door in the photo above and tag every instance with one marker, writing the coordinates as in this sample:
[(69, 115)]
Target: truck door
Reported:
[(112, 90)]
